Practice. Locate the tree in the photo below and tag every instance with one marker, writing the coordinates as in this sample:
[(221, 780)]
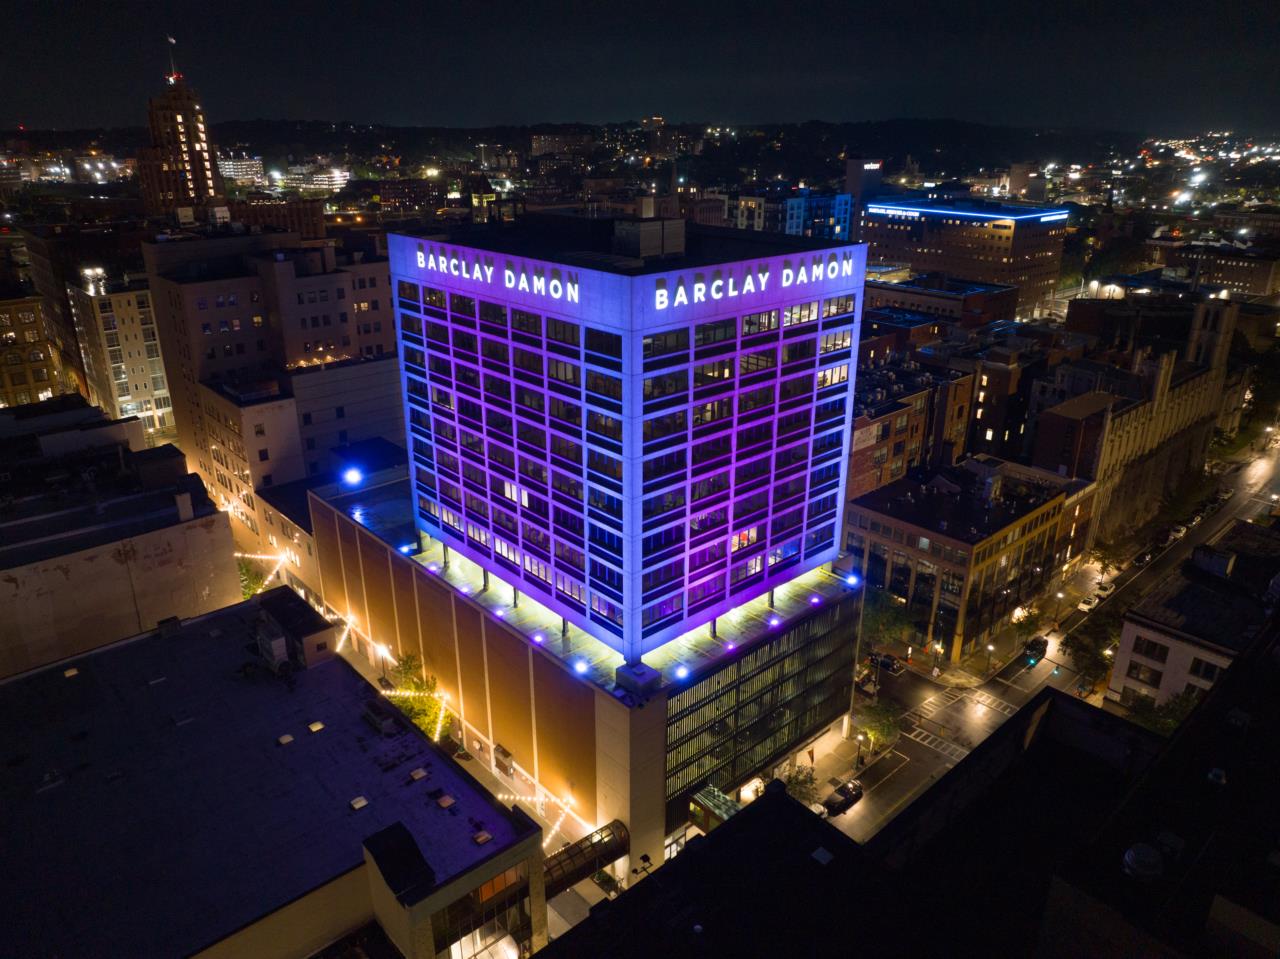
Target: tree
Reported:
[(879, 721), (1088, 657), (1164, 719), (1108, 556), (251, 578), (416, 696), (1027, 626), (802, 784), (884, 619)]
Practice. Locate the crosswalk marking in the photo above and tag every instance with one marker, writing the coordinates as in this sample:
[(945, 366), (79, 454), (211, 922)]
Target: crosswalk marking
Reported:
[(992, 702), (950, 750)]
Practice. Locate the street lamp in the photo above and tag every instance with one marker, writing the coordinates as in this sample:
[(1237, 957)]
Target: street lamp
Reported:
[(853, 581), (860, 750), (937, 655), (990, 649), (1057, 609)]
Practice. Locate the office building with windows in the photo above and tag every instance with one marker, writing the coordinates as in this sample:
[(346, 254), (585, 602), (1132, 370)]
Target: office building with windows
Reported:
[(627, 459), (993, 243), (639, 442), (178, 170), (120, 347)]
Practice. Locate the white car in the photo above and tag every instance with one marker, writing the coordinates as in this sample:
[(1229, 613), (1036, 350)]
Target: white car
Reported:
[(1178, 531), (1105, 589), (1088, 604)]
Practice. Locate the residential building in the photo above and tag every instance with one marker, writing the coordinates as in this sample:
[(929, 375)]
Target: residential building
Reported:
[(968, 303), (120, 347), (102, 537), (242, 308), (891, 329), (178, 169), (998, 243), (331, 824), (905, 417), (827, 216), (962, 547), (31, 366), (1235, 268), (57, 253), (1184, 633)]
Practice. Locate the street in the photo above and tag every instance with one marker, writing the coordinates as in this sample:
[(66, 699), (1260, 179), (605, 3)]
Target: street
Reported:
[(942, 722)]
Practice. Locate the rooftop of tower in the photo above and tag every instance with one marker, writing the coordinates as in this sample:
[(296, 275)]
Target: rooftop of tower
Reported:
[(625, 245)]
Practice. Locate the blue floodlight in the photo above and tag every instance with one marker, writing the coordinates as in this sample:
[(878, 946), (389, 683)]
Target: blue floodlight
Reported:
[(352, 476)]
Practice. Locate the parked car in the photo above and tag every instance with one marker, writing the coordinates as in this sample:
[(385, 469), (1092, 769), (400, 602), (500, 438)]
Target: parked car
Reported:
[(1035, 649), (888, 662), (1105, 589), (1225, 493), (843, 799), (1142, 559), (1088, 604), (1178, 531), (1196, 519)]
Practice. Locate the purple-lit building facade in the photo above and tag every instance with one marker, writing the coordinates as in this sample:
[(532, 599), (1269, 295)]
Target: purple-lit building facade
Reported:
[(641, 443)]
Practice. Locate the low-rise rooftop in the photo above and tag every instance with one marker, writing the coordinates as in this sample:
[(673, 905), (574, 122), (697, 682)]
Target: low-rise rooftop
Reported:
[(166, 791)]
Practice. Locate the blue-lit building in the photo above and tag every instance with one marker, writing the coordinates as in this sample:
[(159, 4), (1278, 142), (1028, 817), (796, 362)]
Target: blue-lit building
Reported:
[(1015, 245), (824, 216)]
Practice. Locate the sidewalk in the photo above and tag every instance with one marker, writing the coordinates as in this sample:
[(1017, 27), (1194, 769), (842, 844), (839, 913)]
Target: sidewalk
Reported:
[(973, 669)]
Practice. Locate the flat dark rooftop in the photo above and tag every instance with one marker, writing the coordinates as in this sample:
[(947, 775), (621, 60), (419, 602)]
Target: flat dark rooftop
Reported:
[(150, 810), (937, 283), (385, 510), (587, 242), (897, 316), (774, 880), (62, 521), (369, 456), (1217, 838), (950, 502)]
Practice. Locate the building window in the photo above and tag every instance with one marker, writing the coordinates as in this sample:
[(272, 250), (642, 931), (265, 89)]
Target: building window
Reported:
[(1150, 649), (1204, 670), (1145, 674), (259, 429), (263, 456)]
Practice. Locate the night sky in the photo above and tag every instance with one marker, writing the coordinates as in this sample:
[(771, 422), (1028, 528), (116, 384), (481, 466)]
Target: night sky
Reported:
[(1153, 67)]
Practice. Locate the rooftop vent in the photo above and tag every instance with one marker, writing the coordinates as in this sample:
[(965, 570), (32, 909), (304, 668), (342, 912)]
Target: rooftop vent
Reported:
[(1143, 862), (316, 726), (481, 837), (285, 740), (359, 802), (822, 855), (71, 673), (418, 774), (445, 801)]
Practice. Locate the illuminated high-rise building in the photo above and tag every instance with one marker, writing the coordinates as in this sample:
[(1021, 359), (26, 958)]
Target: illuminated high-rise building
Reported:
[(179, 169), (641, 431)]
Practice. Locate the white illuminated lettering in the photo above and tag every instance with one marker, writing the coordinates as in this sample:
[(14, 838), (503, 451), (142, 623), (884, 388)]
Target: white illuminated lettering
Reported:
[(555, 289), (509, 278), (453, 265), (488, 273), (846, 266), (699, 292), (422, 259), (539, 284), (523, 285), (733, 290), (748, 284), (833, 270), (682, 298), (764, 280), (717, 289), (571, 291), (788, 275)]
